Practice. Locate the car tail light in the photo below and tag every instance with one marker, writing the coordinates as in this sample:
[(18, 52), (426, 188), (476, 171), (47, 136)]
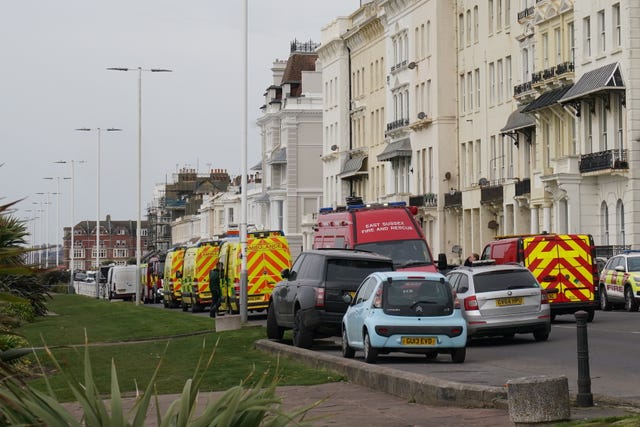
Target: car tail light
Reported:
[(319, 297), (471, 303), (236, 288), (544, 299), (377, 300)]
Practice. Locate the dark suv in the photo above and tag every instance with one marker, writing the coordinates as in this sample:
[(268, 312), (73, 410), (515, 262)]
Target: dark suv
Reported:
[(310, 298)]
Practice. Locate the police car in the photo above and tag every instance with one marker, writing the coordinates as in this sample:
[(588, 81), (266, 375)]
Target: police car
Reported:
[(620, 282)]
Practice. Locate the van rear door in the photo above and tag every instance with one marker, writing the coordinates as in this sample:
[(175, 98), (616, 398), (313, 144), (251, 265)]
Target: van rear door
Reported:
[(563, 266)]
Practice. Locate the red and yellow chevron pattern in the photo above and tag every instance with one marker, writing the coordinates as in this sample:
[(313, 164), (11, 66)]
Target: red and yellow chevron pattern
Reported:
[(563, 265)]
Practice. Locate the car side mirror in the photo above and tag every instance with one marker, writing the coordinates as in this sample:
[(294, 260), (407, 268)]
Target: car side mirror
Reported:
[(285, 273), (619, 268), (347, 298)]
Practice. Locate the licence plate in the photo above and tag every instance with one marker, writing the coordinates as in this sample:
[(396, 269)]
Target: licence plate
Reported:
[(419, 341), (502, 302)]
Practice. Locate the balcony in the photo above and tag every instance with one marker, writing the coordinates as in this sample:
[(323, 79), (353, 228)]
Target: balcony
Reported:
[(557, 74), (491, 194), (429, 200), (453, 199), (523, 187), (527, 13), (604, 160), (397, 124)]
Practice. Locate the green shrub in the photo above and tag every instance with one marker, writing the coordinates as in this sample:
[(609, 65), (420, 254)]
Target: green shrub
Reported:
[(239, 406)]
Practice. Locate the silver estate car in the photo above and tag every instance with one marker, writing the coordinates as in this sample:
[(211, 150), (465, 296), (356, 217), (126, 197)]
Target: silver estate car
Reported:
[(501, 300)]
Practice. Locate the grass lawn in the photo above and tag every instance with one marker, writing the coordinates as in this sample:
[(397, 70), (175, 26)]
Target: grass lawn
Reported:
[(138, 338)]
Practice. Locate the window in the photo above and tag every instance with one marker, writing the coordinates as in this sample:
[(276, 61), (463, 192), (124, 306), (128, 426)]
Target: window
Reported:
[(490, 31), (558, 41), (586, 24), (545, 50), (461, 30), (477, 76), (498, 14), (617, 33), (589, 129), (103, 252), (120, 253), (500, 81), (602, 34), (508, 79), (507, 13), (604, 223), (572, 42), (144, 232), (463, 94), (603, 126), (470, 90), (492, 84), (525, 65), (468, 27), (620, 221), (476, 23), (620, 122), (78, 253)]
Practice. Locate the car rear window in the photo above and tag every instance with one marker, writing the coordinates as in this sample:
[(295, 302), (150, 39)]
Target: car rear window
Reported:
[(503, 280), (353, 270), (402, 297)]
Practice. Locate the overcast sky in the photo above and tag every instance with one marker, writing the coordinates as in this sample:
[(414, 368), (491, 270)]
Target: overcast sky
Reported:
[(53, 80)]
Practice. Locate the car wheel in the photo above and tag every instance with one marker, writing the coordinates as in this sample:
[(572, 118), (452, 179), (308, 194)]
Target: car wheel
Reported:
[(431, 355), (165, 303), (591, 314), (274, 332), (302, 337), (184, 306), (605, 305), (370, 353), (458, 355), (630, 303), (541, 335), (347, 351), (553, 317), (196, 308)]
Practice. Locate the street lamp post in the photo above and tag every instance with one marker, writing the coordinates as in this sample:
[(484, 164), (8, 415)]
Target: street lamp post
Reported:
[(57, 178), (139, 214), (99, 131), (46, 227), (73, 218)]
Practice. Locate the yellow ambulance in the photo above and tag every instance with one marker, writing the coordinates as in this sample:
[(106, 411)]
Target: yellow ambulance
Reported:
[(267, 255), (199, 260), (172, 279)]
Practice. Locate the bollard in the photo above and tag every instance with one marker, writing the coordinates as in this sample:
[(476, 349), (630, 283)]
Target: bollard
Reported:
[(584, 397)]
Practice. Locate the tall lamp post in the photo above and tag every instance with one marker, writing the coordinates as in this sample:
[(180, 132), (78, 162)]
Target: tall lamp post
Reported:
[(73, 218), (99, 131), (46, 227), (57, 178), (139, 214)]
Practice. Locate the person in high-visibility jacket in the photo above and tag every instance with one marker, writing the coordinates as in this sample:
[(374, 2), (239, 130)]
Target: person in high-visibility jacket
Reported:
[(216, 291)]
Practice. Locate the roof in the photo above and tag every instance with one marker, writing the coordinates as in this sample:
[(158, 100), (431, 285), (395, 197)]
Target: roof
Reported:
[(297, 63), (518, 120), (349, 253), (278, 156), (547, 99), (607, 77), (354, 167), (262, 198), (257, 166), (401, 148)]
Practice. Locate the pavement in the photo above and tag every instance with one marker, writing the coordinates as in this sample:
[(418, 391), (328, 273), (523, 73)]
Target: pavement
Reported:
[(375, 395)]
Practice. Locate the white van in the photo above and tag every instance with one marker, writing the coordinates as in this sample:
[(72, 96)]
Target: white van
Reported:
[(121, 282)]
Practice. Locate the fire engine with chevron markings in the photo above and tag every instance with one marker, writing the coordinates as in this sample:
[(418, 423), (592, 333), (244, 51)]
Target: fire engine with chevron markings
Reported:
[(564, 265), (267, 255)]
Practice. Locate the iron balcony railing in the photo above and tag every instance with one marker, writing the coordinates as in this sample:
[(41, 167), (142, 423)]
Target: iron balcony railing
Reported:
[(429, 200), (525, 13), (397, 124), (551, 72), (453, 198), (521, 88), (523, 187), (491, 193), (610, 159)]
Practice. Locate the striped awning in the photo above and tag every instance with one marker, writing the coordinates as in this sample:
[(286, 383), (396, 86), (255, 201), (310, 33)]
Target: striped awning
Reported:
[(401, 148), (601, 79), (355, 166), (547, 99), (518, 121)]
